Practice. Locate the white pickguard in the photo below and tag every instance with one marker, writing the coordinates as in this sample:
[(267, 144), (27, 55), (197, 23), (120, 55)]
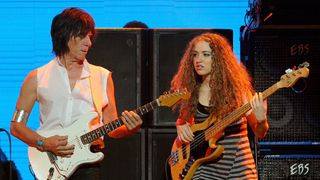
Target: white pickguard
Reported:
[(65, 167)]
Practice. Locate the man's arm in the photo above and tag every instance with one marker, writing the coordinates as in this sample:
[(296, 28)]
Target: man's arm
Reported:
[(56, 144), (26, 100)]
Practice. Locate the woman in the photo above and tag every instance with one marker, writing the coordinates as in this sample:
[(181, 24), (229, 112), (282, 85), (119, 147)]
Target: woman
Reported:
[(219, 85)]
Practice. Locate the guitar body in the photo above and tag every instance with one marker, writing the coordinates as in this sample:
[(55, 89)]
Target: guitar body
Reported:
[(185, 159), (43, 163), (188, 161), (46, 165)]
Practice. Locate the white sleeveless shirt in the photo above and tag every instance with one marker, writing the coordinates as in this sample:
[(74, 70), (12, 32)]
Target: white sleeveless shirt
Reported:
[(59, 105)]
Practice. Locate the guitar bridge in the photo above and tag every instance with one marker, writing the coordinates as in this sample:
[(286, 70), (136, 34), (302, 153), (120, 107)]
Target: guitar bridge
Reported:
[(174, 158)]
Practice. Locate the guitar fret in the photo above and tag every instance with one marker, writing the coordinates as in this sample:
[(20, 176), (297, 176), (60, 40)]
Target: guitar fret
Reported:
[(110, 126), (83, 139), (106, 128), (94, 135), (102, 129), (98, 132), (141, 110), (117, 123), (151, 105), (89, 138), (144, 109), (155, 103)]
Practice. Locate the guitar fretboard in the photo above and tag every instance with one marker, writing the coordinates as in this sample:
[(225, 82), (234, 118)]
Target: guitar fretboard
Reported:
[(221, 125), (103, 130)]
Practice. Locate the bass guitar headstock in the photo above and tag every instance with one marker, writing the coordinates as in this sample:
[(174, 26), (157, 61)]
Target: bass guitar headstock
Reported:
[(293, 75)]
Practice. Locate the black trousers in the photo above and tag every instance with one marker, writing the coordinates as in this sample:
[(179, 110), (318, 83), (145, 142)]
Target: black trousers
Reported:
[(87, 171)]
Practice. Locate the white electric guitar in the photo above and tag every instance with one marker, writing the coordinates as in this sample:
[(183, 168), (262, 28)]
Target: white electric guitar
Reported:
[(46, 165)]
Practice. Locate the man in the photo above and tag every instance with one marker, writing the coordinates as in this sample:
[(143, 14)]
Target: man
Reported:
[(66, 89)]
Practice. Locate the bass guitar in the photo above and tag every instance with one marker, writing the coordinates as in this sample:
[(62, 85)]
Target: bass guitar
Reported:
[(185, 159), (46, 165)]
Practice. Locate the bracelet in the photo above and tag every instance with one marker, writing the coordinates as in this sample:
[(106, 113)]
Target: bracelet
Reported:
[(40, 144)]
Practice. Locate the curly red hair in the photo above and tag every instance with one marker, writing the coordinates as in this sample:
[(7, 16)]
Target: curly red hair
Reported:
[(229, 83)]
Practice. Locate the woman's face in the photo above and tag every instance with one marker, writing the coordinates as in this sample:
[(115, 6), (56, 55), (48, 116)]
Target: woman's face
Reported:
[(202, 58)]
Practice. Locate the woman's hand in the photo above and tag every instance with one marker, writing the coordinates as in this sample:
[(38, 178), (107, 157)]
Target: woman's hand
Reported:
[(259, 107), (184, 133)]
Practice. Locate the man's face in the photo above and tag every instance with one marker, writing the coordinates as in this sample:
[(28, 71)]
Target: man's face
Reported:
[(79, 46)]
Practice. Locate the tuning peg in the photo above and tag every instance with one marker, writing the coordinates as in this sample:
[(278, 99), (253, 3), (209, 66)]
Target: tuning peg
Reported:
[(288, 71), (304, 64)]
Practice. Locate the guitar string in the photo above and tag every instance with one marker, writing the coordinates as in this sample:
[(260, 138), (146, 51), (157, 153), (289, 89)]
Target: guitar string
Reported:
[(213, 129)]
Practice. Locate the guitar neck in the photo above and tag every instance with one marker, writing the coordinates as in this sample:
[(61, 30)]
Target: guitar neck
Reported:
[(106, 128), (232, 117)]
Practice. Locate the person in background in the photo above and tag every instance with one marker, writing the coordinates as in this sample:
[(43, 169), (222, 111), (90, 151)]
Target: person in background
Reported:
[(219, 84), (135, 24), (67, 88)]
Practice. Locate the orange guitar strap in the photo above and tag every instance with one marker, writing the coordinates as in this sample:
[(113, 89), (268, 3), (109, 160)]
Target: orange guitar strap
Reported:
[(96, 91), (96, 85)]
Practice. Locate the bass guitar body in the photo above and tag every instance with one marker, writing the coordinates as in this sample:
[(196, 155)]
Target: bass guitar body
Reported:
[(186, 158)]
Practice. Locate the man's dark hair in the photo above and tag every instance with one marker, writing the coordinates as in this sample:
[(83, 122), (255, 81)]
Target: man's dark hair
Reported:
[(71, 22)]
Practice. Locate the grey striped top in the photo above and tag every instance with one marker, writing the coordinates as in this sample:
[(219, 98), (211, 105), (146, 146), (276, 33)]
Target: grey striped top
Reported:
[(236, 162)]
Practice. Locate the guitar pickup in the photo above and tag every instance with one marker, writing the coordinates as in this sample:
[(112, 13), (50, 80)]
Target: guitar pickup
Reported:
[(52, 157)]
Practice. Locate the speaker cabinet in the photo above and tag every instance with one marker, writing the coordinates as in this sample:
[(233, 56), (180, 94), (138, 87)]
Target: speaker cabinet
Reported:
[(122, 51), (289, 166), (286, 12), (168, 46), (125, 158), (293, 113), (159, 148)]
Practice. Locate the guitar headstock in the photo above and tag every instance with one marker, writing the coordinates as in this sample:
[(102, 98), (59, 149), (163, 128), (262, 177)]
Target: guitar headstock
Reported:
[(292, 76), (169, 99)]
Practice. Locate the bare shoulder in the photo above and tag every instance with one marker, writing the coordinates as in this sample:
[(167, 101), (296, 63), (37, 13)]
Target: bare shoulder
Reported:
[(28, 92), (30, 82), (31, 77)]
